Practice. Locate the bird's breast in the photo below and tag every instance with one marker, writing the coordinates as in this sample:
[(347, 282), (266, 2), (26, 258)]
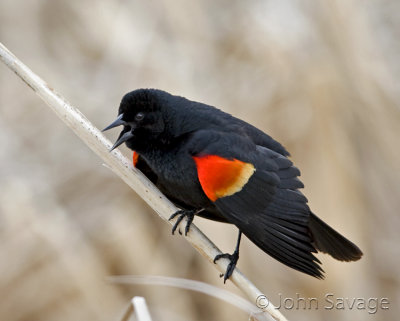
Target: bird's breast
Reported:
[(177, 176)]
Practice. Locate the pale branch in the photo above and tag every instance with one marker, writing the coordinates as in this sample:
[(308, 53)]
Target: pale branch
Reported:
[(121, 166)]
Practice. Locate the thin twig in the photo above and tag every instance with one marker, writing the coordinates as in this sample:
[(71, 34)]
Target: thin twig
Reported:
[(120, 165), (127, 313), (220, 293)]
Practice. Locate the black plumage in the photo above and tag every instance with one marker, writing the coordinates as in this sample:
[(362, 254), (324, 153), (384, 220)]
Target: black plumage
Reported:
[(173, 136)]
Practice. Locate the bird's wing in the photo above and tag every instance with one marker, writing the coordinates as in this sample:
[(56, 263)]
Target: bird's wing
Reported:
[(262, 139), (256, 189)]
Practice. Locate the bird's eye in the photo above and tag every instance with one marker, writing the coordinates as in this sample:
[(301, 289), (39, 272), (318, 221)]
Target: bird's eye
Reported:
[(139, 116)]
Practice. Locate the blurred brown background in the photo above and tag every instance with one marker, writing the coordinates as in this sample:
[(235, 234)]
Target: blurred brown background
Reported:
[(322, 77)]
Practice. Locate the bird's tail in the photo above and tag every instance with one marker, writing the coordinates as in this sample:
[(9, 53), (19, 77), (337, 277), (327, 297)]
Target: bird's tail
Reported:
[(327, 240)]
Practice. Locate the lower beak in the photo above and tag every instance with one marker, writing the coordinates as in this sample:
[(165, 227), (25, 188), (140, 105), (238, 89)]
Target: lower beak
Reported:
[(123, 138)]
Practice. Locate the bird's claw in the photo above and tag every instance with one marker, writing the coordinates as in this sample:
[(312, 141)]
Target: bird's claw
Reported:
[(182, 213), (233, 258)]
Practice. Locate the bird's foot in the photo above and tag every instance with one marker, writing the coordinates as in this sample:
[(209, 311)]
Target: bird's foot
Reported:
[(181, 214), (233, 258)]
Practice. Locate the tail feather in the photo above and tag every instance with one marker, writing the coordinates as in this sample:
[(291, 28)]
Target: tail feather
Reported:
[(327, 240)]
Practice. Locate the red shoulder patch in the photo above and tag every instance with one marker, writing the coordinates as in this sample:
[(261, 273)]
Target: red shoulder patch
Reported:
[(135, 158), (221, 177)]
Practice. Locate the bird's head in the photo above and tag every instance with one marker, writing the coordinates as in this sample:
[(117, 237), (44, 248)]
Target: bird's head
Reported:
[(140, 112)]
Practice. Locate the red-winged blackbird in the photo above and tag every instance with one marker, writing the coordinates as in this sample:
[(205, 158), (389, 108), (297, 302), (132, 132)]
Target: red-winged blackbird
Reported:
[(214, 165)]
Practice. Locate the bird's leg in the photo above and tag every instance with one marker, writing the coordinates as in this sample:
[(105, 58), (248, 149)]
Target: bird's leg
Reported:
[(184, 213), (233, 258)]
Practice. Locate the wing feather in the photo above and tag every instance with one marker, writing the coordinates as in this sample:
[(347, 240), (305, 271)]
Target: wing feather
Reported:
[(268, 209)]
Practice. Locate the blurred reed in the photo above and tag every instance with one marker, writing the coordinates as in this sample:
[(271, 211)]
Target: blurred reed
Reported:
[(320, 77)]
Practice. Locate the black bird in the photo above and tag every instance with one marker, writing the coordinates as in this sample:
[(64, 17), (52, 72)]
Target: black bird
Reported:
[(214, 165)]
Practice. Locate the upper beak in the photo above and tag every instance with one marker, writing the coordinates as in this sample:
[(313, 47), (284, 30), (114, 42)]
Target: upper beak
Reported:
[(117, 122)]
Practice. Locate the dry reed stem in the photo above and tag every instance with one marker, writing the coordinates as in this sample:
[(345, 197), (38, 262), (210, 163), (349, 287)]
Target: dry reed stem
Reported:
[(121, 166), (140, 307)]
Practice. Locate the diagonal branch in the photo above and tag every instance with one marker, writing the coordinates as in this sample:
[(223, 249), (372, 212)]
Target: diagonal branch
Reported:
[(120, 165)]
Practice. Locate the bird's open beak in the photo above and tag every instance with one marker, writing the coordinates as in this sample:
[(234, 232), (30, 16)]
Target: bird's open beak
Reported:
[(123, 137)]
